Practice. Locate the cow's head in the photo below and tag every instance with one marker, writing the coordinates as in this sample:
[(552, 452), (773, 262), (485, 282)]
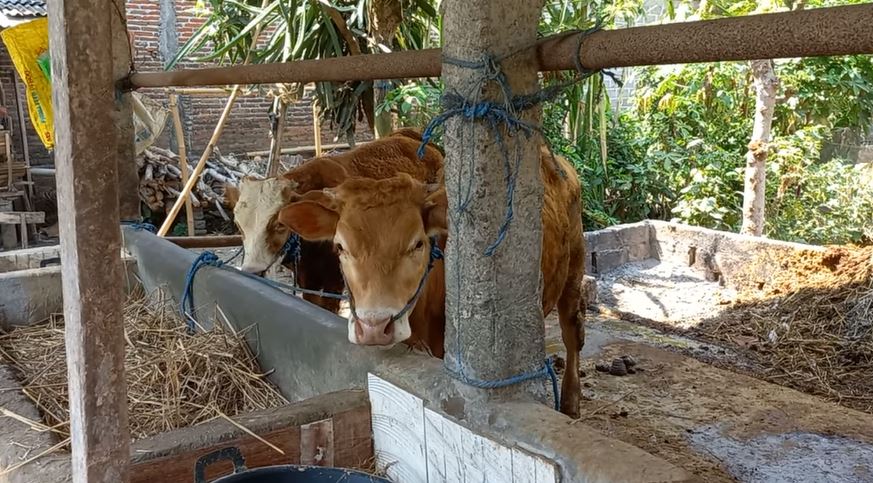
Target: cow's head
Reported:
[(256, 204), (382, 232)]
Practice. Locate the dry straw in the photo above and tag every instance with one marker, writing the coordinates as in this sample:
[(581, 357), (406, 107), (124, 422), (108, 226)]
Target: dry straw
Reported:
[(174, 380)]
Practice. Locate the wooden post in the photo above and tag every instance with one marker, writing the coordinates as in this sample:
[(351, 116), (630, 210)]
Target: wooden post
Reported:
[(183, 158), (213, 141), (22, 129), (316, 127), (201, 164), (276, 134), (122, 66), (87, 137), (494, 311)]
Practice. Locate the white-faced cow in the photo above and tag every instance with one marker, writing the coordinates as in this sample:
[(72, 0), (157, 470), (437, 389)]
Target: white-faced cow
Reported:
[(256, 204), (383, 229)]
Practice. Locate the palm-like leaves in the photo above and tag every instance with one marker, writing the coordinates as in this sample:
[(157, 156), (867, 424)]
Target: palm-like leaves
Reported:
[(305, 29)]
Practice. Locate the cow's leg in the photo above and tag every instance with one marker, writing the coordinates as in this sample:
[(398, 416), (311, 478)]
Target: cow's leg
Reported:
[(571, 314)]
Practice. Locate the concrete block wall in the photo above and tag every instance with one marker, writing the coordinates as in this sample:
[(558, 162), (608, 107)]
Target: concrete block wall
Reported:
[(612, 247)]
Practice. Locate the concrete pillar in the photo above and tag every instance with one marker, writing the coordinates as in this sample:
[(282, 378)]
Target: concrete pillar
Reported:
[(493, 308)]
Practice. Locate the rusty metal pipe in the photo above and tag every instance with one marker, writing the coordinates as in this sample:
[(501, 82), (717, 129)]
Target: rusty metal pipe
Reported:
[(808, 33)]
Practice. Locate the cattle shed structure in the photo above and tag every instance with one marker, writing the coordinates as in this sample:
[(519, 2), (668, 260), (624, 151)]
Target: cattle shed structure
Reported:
[(503, 434)]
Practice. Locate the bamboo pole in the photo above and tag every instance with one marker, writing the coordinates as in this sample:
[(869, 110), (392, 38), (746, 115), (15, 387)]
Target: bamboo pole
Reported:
[(210, 146), (277, 132), (183, 158)]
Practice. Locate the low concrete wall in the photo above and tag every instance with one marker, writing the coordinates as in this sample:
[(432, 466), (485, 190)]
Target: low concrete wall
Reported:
[(612, 247), (727, 257), (26, 259), (721, 256), (306, 347), (29, 296)]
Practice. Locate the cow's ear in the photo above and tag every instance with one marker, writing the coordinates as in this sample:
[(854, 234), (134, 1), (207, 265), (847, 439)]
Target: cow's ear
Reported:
[(434, 213), (231, 195), (309, 219)]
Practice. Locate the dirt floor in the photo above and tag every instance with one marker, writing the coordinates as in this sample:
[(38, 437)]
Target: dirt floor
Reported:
[(718, 424)]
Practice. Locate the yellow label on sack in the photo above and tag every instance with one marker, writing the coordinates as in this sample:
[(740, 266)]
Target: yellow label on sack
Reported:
[(26, 43)]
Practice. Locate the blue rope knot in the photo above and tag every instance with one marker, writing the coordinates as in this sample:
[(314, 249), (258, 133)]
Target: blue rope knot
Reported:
[(546, 371), (291, 249), (186, 305)]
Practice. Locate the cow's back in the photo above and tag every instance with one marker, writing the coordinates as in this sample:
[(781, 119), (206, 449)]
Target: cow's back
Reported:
[(386, 157)]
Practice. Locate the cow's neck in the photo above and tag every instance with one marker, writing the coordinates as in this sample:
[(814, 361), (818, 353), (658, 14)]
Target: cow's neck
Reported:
[(428, 318)]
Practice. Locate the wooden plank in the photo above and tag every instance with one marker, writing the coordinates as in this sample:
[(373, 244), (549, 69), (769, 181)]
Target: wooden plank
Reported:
[(277, 132), (171, 456), (180, 467), (183, 159), (87, 132), (16, 217), (398, 431), (22, 129), (206, 241), (128, 173), (353, 438), (305, 149), (316, 128), (316, 443)]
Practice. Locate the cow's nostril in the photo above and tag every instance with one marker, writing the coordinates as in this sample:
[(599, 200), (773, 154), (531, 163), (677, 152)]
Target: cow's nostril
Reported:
[(389, 328)]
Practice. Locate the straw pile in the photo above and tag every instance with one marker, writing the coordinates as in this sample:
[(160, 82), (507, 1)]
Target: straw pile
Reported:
[(810, 324), (174, 380)]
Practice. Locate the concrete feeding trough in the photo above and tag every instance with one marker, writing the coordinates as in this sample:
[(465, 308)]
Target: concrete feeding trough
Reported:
[(30, 286)]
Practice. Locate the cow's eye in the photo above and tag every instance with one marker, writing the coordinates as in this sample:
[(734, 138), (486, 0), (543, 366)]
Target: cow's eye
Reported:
[(419, 245)]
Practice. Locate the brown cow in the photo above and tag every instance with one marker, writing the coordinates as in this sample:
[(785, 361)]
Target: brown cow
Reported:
[(257, 202), (382, 231)]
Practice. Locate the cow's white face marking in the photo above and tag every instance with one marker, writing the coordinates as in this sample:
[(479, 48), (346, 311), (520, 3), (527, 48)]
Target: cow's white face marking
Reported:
[(255, 215)]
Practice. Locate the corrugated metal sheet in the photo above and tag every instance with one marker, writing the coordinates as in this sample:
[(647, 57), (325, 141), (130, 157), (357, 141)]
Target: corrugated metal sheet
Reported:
[(23, 8)]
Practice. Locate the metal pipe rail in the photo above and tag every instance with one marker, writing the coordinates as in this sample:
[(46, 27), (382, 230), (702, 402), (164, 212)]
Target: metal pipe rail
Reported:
[(808, 33)]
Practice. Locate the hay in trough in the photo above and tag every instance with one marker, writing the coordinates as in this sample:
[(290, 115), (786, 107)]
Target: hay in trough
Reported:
[(810, 323), (174, 379)]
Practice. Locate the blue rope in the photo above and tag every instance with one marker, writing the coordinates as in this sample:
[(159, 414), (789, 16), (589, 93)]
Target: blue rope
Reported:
[(546, 371), (186, 305)]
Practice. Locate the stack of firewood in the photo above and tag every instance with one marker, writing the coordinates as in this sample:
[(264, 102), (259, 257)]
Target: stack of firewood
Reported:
[(160, 179)]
